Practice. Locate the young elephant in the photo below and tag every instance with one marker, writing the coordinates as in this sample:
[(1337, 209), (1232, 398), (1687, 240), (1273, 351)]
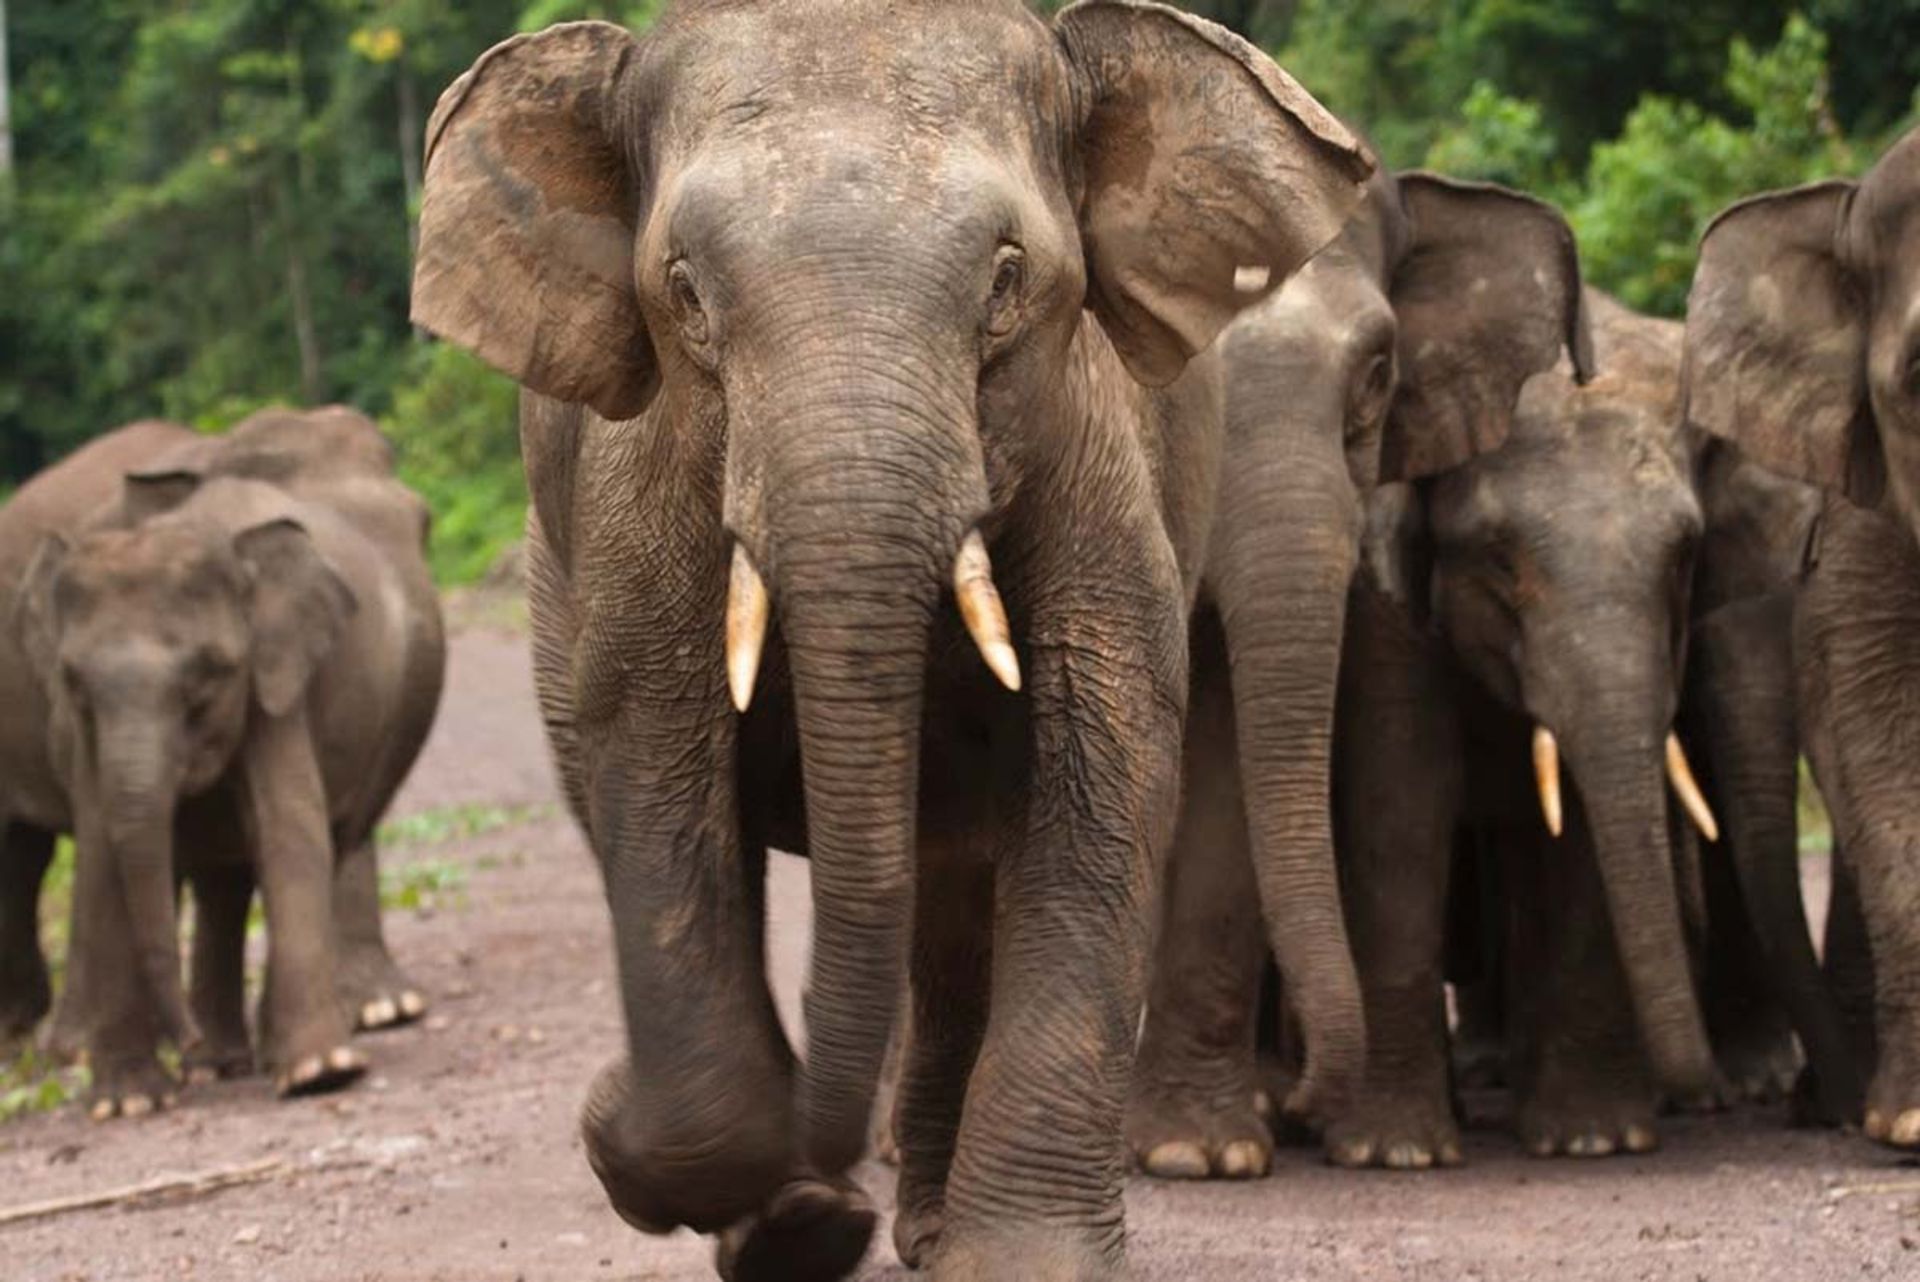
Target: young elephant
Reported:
[(235, 681), (1398, 352), (1803, 346), (858, 298), (1534, 599)]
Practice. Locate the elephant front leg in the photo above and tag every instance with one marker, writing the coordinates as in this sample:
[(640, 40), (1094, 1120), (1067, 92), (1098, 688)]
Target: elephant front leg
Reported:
[(377, 993), (1035, 1188), (1585, 1089), (222, 897), (1192, 1111), (304, 1026), (1398, 798), (26, 993)]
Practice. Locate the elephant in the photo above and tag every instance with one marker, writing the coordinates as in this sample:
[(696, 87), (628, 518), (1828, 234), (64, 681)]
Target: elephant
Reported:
[(1534, 597), (1397, 353), (230, 682), (1803, 348), (827, 313)]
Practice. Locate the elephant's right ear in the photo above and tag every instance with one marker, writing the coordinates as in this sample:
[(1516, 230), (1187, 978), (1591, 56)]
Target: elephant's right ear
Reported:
[(1210, 177), (1486, 293), (1776, 355), (528, 223), (32, 621)]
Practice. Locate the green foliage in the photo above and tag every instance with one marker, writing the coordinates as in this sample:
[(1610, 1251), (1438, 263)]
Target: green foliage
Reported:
[(455, 823), (423, 887), (32, 1083), (1499, 139)]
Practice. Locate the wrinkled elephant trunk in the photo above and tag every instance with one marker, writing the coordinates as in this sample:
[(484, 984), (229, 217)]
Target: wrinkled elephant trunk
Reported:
[(870, 487), (136, 797), (1618, 769)]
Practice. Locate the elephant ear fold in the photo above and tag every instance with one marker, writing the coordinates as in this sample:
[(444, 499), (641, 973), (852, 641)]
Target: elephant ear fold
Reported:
[(1486, 292), (300, 609), (529, 217), (1209, 177), (33, 616), (1776, 355), (153, 492)]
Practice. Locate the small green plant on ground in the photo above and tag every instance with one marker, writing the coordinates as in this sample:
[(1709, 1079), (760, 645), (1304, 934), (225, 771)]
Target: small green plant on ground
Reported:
[(423, 886), (31, 1083)]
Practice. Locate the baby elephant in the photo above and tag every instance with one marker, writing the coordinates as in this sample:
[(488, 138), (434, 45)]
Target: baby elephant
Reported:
[(234, 675)]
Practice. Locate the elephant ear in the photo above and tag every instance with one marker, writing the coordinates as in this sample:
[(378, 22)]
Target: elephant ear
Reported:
[(1486, 293), (300, 608), (1209, 177), (1776, 354), (154, 492), (529, 217), (33, 615)]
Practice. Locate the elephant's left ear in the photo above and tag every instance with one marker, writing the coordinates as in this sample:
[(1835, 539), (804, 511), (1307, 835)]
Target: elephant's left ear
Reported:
[(300, 608), (32, 621), (1210, 177)]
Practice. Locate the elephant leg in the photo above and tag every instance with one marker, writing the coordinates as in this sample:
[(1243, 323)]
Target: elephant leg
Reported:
[(1586, 1089), (377, 993), (1192, 1114), (1037, 1176), (1848, 965), (222, 896), (952, 978), (1397, 801), (1752, 1036), (106, 1009), (26, 992)]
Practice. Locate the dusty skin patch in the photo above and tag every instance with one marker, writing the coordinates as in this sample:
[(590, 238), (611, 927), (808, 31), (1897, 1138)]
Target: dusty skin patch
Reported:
[(457, 1158)]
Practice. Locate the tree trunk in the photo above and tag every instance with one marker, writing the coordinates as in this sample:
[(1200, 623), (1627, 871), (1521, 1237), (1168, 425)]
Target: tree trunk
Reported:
[(6, 111)]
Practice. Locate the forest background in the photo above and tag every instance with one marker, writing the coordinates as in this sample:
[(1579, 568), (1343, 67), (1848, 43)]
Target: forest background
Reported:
[(208, 205)]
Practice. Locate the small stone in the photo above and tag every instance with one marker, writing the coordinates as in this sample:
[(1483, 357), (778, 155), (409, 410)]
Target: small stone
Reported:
[(247, 1236), (535, 1036)]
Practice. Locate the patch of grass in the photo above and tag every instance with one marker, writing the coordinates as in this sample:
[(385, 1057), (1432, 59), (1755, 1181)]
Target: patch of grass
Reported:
[(30, 1083), (454, 823), (423, 886)]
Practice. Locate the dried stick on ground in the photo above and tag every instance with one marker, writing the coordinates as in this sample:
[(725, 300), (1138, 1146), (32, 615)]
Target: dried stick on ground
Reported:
[(196, 1185)]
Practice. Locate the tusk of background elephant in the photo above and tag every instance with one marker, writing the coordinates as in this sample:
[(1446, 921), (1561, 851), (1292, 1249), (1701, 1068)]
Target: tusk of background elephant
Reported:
[(1546, 777), (747, 610), (1687, 788), (981, 611)]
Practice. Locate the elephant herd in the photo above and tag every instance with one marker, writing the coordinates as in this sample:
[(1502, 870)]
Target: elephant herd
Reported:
[(1247, 641)]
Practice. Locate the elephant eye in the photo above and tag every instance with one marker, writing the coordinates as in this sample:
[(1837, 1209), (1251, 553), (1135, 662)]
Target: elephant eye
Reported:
[(686, 303), (1009, 274), (1373, 389)]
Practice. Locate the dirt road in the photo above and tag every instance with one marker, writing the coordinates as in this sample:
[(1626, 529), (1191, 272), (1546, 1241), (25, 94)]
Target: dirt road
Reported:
[(459, 1157)]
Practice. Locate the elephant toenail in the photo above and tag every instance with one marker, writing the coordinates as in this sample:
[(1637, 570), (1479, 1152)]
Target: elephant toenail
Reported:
[(1449, 1154), (1409, 1157), (1875, 1124), (1906, 1129), (412, 1004), (342, 1059), (1176, 1160), (1591, 1146), (102, 1110), (1353, 1153), (1641, 1139), (1244, 1160), (136, 1106), (378, 1013)]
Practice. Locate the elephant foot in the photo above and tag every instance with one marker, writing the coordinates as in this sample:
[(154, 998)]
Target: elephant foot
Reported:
[(1178, 1133), (1757, 1066), (1893, 1100), (1399, 1130), (376, 991), (316, 1074), (813, 1230), (1034, 1255), (917, 1225), (218, 1059), (1591, 1114), (130, 1090)]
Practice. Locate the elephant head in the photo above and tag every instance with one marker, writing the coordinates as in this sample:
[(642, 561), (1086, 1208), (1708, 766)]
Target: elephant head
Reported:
[(838, 252), (157, 638), (1398, 352), (1561, 567), (1803, 333)]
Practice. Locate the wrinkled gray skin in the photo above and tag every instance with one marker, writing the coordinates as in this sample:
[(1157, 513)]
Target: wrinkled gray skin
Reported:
[(228, 680), (1761, 978), (1544, 584), (1398, 352), (1803, 346), (836, 282)]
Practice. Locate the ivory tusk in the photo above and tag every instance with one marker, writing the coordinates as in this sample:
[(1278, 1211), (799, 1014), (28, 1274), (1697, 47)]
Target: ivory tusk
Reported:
[(1687, 788), (1546, 777), (982, 612), (747, 610)]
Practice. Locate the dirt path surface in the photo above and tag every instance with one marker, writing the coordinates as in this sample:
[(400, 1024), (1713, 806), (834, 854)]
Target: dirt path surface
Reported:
[(459, 1157)]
